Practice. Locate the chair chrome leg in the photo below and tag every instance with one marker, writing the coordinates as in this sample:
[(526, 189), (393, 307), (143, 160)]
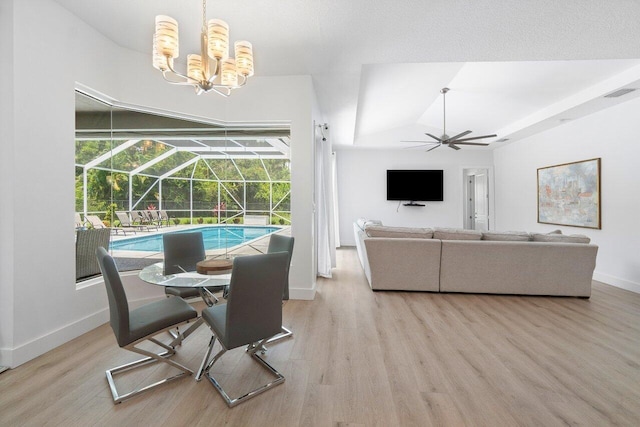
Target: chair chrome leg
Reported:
[(212, 342), (151, 357), (284, 334), (231, 402), (179, 337), (174, 334), (208, 297)]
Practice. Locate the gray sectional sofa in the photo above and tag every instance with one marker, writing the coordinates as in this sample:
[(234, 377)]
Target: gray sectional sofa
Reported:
[(456, 260)]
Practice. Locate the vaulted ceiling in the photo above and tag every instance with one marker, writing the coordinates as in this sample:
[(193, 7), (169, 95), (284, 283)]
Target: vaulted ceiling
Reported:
[(514, 68)]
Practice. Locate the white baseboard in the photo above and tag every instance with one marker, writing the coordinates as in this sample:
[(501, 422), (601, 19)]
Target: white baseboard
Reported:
[(32, 349), (617, 282), (37, 347), (302, 294), (6, 357)]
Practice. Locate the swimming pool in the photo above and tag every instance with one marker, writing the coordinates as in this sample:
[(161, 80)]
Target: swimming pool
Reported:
[(214, 238)]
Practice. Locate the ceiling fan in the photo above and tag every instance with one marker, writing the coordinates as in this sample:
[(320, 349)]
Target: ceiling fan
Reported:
[(450, 141)]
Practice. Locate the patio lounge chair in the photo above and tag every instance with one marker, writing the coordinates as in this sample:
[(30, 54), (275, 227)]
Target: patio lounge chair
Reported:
[(164, 218), (153, 217), (80, 224), (144, 219), (96, 223), (125, 222)]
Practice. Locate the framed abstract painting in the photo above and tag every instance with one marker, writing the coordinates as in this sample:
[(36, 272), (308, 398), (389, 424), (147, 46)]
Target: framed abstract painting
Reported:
[(569, 194)]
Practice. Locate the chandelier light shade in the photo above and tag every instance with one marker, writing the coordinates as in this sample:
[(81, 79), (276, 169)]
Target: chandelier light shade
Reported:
[(218, 33), (213, 69), (244, 58), (167, 36)]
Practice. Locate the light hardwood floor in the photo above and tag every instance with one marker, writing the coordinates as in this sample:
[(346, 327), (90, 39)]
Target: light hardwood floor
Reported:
[(363, 358)]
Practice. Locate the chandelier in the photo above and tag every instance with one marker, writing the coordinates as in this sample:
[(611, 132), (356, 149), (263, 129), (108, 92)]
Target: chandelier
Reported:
[(212, 70)]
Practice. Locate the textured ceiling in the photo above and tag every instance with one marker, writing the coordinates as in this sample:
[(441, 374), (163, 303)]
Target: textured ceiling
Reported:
[(378, 66)]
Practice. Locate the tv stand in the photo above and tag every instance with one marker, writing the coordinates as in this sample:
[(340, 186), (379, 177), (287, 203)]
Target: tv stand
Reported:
[(412, 204)]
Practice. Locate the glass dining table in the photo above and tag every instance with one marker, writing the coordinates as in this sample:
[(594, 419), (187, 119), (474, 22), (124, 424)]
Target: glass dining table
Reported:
[(154, 274)]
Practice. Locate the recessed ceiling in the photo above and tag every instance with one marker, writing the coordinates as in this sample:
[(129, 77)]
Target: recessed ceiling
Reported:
[(510, 99), (377, 65)]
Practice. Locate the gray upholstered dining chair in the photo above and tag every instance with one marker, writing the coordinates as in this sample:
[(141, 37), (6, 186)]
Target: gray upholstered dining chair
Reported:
[(182, 251), (281, 243), (132, 327), (252, 315)]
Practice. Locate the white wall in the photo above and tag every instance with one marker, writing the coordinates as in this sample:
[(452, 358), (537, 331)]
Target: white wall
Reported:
[(44, 309), (6, 179), (613, 135), (362, 186)]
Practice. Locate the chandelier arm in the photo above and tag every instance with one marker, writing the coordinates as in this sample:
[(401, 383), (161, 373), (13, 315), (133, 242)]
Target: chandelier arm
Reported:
[(239, 85), (186, 80), (167, 73), (216, 89), (184, 76), (216, 70)]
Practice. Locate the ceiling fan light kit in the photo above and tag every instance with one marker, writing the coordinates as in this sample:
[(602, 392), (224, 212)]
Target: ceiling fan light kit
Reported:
[(453, 141), (212, 70)]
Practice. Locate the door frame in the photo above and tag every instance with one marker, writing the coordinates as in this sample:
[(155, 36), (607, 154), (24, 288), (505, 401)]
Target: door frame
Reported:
[(466, 211)]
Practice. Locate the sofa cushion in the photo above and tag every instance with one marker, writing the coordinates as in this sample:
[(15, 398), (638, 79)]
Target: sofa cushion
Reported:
[(363, 222), (456, 234), (561, 238), (406, 232), (512, 236)]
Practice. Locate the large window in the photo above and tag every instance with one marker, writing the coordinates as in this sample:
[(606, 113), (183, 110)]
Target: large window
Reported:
[(197, 172)]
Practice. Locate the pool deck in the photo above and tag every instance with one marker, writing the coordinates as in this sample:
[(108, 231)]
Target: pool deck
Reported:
[(254, 247)]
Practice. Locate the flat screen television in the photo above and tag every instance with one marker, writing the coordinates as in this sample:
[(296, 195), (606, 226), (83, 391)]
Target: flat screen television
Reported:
[(422, 185)]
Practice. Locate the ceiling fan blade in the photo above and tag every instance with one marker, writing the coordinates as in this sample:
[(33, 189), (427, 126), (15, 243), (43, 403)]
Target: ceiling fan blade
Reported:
[(471, 143), (476, 137), (414, 146), (455, 147), (434, 137), (460, 135), (433, 148), (422, 142)]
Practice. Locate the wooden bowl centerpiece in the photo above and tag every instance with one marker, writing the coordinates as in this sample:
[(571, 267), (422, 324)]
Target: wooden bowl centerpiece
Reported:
[(214, 266)]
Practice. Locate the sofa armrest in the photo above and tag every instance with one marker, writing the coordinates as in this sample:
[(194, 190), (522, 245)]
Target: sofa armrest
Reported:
[(403, 263), (360, 235)]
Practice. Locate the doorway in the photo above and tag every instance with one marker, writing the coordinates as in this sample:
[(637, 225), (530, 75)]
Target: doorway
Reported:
[(476, 199)]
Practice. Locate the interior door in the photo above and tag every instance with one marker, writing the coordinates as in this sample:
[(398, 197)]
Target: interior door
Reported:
[(481, 201), (470, 217)]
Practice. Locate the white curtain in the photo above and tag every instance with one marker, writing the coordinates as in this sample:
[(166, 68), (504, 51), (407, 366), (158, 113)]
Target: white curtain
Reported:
[(325, 216)]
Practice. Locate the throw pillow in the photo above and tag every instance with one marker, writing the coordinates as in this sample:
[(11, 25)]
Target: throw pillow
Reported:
[(511, 236), (560, 238), (409, 232), (456, 234)]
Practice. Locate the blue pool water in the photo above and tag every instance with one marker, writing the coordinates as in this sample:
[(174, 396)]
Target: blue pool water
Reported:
[(214, 238)]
